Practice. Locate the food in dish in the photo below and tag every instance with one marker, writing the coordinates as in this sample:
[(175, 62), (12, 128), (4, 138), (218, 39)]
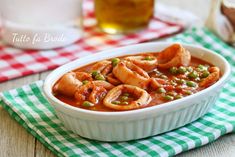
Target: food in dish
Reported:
[(136, 81)]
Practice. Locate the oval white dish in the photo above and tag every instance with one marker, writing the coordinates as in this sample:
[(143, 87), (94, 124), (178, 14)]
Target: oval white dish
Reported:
[(140, 123)]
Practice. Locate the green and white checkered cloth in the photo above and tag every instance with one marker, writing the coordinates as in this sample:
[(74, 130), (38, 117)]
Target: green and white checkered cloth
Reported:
[(28, 106)]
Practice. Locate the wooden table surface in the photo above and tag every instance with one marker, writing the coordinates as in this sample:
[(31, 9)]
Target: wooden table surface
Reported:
[(15, 141)]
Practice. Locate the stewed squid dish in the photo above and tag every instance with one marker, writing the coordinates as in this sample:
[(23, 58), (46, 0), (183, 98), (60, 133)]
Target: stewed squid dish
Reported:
[(136, 81)]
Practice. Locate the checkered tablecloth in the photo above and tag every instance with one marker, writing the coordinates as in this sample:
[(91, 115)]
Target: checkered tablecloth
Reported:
[(30, 108), (17, 63)]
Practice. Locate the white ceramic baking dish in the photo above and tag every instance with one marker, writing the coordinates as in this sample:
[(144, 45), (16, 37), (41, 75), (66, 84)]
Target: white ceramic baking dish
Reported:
[(140, 123)]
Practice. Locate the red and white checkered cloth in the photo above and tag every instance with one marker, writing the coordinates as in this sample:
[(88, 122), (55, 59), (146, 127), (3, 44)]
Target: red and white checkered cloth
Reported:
[(17, 62)]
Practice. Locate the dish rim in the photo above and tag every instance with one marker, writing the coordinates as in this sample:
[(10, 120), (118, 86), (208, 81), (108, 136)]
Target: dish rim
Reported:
[(47, 88)]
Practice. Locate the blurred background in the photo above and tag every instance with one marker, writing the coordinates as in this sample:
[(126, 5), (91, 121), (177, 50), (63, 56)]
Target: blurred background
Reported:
[(200, 8)]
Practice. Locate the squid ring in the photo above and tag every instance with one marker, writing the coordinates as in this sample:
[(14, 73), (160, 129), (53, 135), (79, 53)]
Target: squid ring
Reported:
[(104, 67), (131, 74), (174, 55), (145, 63), (68, 84), (112, 79), (213, 77), (81, 76), (103, 84), (143, 97), (90, 91)]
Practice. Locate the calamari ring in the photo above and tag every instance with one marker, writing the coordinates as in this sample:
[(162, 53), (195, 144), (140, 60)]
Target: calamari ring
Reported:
[(91, 92), (212, 78), (113, 80), (97, 93), (143, 97), (154, 83), (68, 84), (174, 55), (104, 84), (131, 74), (81, 76), (147, 65), (104, 67), (108, 69)]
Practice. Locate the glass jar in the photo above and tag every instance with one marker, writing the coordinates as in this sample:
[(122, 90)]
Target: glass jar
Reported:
[(46, 24), (123, 16)]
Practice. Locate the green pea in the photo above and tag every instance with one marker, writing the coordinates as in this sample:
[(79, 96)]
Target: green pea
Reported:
[(181, 81), (100, 77), (193, 74), (172, 93), (87, 104), (182, 70), (126, 94), (201, 67), (173, 83), (148, 58), (115, 61), (178, 96), (123, 98), (189, 69), (125, 103), (205, 74), (161, 90), (94, 73), (191, 84), (85, 82), (188, 92), (168, 97), (116, 102), (173, 70)]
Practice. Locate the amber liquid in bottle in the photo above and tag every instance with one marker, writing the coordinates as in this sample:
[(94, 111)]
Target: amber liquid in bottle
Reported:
[(123, 16)]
